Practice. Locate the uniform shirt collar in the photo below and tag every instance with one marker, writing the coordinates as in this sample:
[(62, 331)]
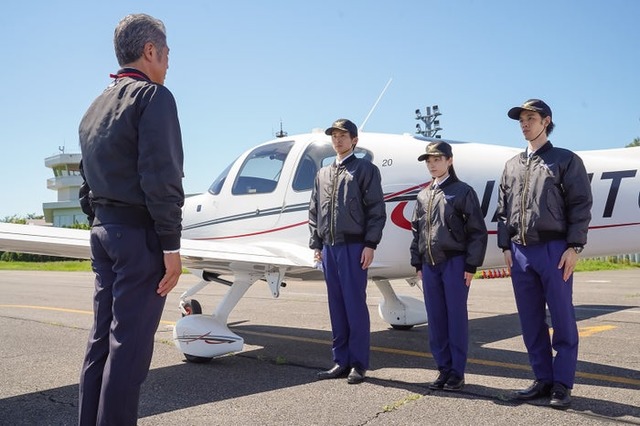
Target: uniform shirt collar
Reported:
[(344, 160), (437, 184)]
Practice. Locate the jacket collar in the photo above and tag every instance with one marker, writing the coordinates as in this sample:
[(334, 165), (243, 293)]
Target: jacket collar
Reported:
[(544, 148), (130, 72)]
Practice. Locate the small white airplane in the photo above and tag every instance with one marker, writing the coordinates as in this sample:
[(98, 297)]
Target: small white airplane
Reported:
[(251, 224)]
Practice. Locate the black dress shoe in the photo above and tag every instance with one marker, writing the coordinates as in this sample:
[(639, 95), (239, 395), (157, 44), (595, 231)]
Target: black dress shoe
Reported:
[(454, 384), (537, 390), (333, 373), (356, 375), (442, 378), (560, 396)]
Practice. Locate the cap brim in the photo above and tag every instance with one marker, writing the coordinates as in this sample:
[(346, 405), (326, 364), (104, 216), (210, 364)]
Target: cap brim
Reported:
[(514, 113), (331, 129), (433, 154)]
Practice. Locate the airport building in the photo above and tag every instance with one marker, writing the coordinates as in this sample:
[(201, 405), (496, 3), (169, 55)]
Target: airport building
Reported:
[(66, 181)]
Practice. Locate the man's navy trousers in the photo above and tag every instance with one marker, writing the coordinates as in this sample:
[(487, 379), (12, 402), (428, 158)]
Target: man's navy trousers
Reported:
[(129, 264), (347, 294), (538, 281)]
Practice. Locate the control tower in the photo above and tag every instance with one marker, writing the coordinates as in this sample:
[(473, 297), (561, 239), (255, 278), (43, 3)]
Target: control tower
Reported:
[(66, 181)]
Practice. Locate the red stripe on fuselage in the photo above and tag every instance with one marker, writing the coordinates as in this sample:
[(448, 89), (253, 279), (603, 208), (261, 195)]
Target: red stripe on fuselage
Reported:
[(251, 234)]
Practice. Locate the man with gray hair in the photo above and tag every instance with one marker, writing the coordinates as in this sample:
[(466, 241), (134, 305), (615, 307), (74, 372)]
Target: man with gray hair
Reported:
[(132, 193)]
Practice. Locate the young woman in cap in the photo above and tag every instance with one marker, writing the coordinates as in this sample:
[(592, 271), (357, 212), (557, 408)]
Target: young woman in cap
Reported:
[(449, 244)]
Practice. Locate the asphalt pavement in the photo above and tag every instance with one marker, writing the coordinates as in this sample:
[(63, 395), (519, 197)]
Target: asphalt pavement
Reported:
[(45, 319)]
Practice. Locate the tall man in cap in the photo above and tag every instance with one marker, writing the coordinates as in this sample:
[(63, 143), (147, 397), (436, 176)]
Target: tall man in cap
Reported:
[(346, 218), (544, 209)]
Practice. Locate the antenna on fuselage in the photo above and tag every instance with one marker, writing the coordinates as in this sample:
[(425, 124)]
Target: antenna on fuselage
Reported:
[(281, 133), (375, 104)]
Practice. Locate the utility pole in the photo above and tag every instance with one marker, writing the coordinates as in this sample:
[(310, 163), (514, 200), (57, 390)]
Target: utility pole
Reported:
[(430, 120)]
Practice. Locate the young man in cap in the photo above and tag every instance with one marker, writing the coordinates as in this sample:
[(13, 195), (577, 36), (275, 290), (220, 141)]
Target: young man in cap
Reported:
[(346, 218), (544, 209), (449, 244)]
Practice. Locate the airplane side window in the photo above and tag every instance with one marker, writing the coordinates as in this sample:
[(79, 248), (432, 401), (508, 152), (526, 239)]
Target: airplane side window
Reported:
[(261, 170), (217, 184), (318, 155)]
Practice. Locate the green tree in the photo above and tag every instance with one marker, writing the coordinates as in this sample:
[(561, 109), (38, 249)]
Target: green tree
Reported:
[(636, 142)]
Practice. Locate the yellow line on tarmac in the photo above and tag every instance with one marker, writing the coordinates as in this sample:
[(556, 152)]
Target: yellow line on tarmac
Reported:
[(72, 311), (49, 308), (584, 332), (590, 331), (489, 363)]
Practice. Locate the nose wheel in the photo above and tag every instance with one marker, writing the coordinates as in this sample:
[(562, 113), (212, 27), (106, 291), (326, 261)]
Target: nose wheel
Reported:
[(193, 307)]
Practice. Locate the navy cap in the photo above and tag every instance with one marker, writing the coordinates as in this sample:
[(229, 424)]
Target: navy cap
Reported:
[(344, 125), (437, 149), (535, 105)]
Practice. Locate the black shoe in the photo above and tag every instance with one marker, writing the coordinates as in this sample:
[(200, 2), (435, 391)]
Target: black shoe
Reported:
[(356, 375), (454, 384), (335, 372), (442, 378), (560, 397), (537, 390)]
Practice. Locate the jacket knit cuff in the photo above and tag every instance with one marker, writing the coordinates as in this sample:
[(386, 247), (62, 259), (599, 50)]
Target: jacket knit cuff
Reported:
[(470, 268)]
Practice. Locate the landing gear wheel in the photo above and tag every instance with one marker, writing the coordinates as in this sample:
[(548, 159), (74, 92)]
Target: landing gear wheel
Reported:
[(193, 307), (401, 327)]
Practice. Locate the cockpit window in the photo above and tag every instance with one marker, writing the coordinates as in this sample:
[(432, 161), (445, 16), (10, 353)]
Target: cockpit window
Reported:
[(261, 169), (318, 155)]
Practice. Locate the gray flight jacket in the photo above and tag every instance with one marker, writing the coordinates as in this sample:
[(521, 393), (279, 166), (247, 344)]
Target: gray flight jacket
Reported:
[(447, 222), (544, 197), (347, 205)]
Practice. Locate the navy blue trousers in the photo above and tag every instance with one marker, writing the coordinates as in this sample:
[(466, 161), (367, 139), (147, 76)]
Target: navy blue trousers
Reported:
[(347, 294), (128, 264), (445, 297), (538, 281)]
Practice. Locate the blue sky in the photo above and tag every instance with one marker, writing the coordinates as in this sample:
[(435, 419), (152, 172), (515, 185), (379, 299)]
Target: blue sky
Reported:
[(238, 68)]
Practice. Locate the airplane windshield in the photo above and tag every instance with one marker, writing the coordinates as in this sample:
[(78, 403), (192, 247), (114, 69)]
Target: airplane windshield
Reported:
[(318, 155), (261, 169)]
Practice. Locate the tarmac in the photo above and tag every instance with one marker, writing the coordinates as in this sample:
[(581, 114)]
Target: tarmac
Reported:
[(45, 319)]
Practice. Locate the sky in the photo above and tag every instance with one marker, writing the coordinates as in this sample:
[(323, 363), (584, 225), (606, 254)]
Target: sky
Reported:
[(239, 68)]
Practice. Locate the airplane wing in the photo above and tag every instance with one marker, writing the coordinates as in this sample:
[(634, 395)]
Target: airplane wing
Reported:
[(225, 257), (214, 256), (45, 240)]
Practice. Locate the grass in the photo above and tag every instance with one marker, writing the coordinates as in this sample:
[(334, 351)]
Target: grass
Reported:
[(65, 265), (604, 265), (59, 266), (85, 265)]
